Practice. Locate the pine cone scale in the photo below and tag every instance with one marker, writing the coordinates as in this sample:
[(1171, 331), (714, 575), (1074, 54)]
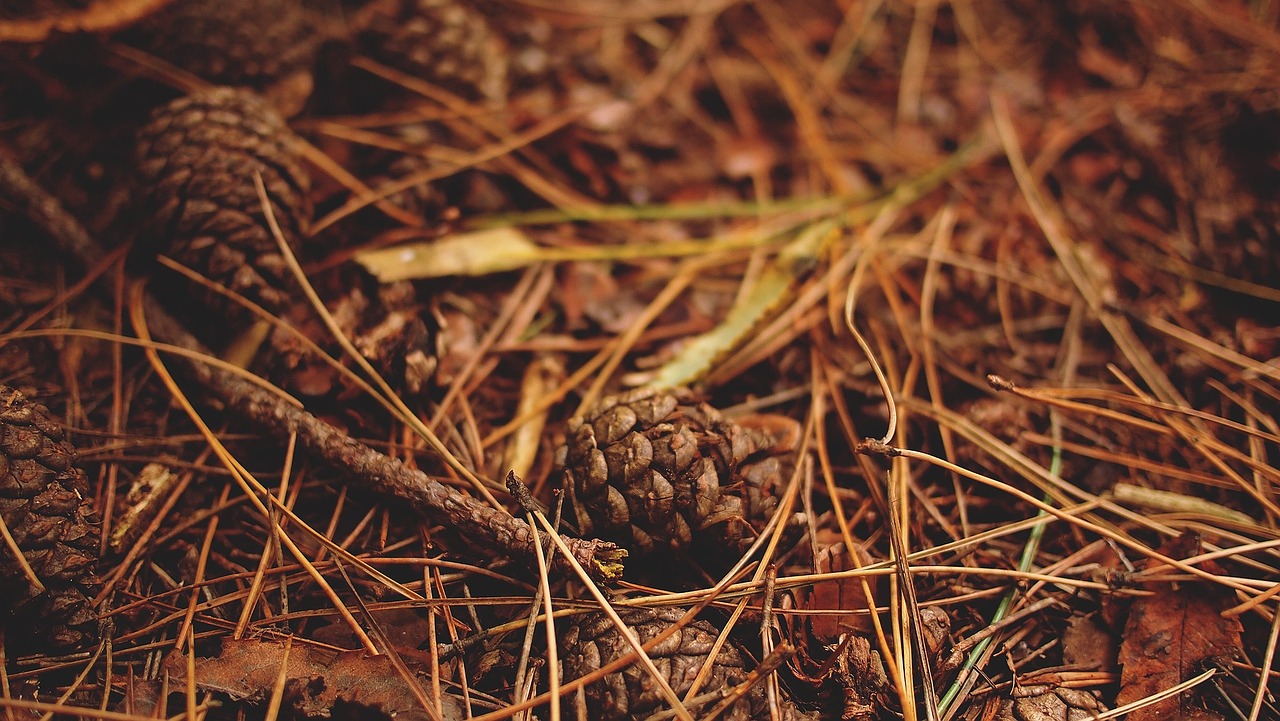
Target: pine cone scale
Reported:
[(614, 423), (628, 460)]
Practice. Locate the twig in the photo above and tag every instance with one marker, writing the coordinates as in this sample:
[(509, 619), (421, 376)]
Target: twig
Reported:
[(362, 464)]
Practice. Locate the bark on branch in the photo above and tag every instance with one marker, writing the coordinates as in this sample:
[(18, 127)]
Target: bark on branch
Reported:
[(377, 471)]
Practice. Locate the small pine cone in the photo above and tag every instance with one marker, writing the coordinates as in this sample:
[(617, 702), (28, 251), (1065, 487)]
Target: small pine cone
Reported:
[(45, 506), (266, 45), (445, 42), (197, 198), (592, 641), (657, 469)]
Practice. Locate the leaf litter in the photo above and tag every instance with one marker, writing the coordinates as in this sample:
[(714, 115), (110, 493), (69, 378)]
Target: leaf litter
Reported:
[(315, 679), (1073, 199), (1173, 635)]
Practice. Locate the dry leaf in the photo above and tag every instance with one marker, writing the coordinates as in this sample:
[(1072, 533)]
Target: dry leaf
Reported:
[(860, 676), (771, 293), (837, 594), (479, 253), (146, 494), (1087, 643), (590, 292), (1046, 703), (540, 379), (1168, 501), (316, 680), (1173, 636)]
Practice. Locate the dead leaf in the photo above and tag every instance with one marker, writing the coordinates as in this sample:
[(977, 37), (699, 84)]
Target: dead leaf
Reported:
[(1171, 637), (770, 294), (479, 253), (1170, 502), (1087, 643), (316, 679), (590, 292), (407, 630), (540, 379), (146, 493), (835, 595)]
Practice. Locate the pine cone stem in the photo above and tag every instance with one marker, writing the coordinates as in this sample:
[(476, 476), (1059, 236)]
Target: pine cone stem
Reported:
[(384, 475)]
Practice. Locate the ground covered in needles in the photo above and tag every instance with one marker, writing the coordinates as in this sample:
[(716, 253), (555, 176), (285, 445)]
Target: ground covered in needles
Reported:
[(640, 360)]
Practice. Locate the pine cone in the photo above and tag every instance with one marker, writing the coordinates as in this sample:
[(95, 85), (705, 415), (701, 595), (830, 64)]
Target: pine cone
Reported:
[(592, 641), (45, 506), (197, 199), (265, 45), (445, 42), (657, 469)]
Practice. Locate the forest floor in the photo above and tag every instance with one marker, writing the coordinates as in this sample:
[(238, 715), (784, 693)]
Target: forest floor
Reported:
[(993, 286)]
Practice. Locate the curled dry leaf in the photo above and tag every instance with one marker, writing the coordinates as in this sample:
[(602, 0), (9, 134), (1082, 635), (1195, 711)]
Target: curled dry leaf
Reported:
[(540, 379), (1043, 703), (478, 253), (936, 626), (855, 677), (143, 502)]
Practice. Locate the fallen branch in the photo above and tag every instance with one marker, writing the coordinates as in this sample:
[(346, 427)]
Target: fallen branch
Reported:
[(376, 471)]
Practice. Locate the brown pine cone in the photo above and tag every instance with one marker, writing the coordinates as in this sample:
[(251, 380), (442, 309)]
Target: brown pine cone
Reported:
[(444, 42), (592, 641), (657, 469), (45, 505), (265, 45), (196, 196)]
